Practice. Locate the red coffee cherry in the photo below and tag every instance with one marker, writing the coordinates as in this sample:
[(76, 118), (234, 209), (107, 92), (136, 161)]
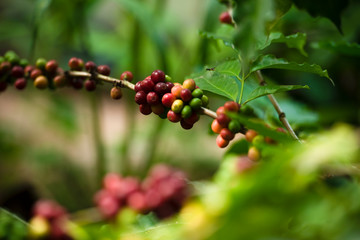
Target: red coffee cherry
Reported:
[(35, 73), (158, 109), (176, 91), (90, 66), (220, 110), (185, 125), (231, 106), (116, 93), (145, 109), (161, 88), (168, 99), (226, 18), (137, 87), (152, 98), (169, 86), (51, 66), (215, 126), (140, 97), (77, 83), (173, 117), (28, 69), (193, 118), (48, 209), (127, 75), (104, 70), (107, 203), (185, 95), (137, 201), (76, 63), (147, 85), (59, 81), (20, 83), (90, 85), (244, 164), (250, 135), (17, 72), (227, 134), (222, 143), (158, 76), (223, 120), (189, 84)]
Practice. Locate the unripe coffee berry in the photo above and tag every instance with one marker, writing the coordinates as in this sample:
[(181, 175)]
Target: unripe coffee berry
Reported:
[(176, 91), (185, 125), (186, 111), (20, 83), (258, 140), (116, 93), (205, 100), (127, 75), (227, 134), (158, 76), (254, 154), (40, 63), (90, 85), (160, 88), (168, 99), (145, 109), (195, 103), (225, 17), (173, 117), (215, 126), (152, 98), (23, 62), (140, 97), (234, 126), (223, 120), (185, 95), (177, 106), (35, 73), (231, 106), (250, 135), (17, 72), (147, 85), (41, 82), (222, 143), (104, 70), (197, 93), (189, 84), (90, 66), (51, 66), (158, 109), (59, 81)]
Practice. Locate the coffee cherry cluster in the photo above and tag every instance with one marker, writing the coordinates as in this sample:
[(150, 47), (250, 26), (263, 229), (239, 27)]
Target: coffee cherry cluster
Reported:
[(49, 221), (163, 192), (224, 125), (178, 103)]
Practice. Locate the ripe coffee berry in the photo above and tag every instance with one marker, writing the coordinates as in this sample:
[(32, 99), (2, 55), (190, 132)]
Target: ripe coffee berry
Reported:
[(137, 87), (168, 99), (147, 85), (185, 95), (20, 83), (221, 142), (226, 18), (231, 106), (59, 81), (223, 120), (41, 82), (192, 119), (185, 125), (158, 109), (35, 73), (169, 86), (90, 66), (145, 109), (227, 134), (254, 154), (158, 76), (127, 75), (140, 97), (176, 91), (152, 98), (51, 66), (90, 85), (76, 63), (77, 83), (17, 72), (189, 84), (28, 69), (215, 126), (173, 117), (116, 93), (250, 135), (161, 88), (104, 70)]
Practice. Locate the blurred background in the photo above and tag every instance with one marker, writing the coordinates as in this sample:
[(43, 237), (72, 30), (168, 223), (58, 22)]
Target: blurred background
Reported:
[(58, 144)]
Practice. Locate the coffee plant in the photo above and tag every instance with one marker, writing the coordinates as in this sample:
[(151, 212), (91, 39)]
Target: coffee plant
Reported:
[(266, 140)]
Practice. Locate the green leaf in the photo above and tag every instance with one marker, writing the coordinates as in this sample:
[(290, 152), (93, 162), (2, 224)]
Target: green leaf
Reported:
[(272, 89), (350, 49), (270, 61), (223, 35), (218, 83), (297, 41), (231, 67)]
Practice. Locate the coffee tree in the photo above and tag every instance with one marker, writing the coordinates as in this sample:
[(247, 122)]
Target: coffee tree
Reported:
[(286, 167)]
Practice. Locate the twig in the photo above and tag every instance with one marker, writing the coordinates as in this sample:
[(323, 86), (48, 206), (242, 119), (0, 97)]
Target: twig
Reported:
[(282, 116)]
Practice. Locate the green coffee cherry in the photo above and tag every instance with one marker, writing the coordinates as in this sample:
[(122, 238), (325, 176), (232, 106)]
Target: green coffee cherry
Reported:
[(168, 78), (177, 106), (186, 112), (195, 103), (40, 63), (234, 126), (24, 62), (197, 93), (12, 57), (205, 100), (258, 140)]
